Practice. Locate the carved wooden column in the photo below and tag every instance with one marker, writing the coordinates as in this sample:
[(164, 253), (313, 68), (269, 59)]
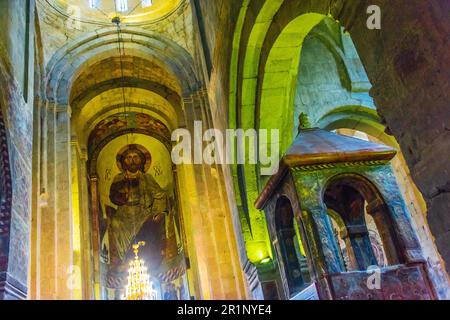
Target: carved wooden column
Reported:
[(402, 224), (378, 210), (328, 259), (358, 240), (353, 263)]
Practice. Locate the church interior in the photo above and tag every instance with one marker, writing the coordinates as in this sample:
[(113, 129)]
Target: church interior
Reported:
[(94, 207)]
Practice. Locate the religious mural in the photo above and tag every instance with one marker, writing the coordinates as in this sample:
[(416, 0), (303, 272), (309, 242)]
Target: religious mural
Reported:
[(118, 123), (137, 203)]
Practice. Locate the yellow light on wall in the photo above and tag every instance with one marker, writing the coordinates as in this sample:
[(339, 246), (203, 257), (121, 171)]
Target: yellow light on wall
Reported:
[(265, 260), (257, 251)]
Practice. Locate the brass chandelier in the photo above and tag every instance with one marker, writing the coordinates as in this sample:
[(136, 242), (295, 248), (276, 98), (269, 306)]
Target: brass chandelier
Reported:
[(139, 286)]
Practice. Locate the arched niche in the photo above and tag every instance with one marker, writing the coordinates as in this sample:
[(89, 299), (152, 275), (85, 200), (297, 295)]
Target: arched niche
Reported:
[(151, 199), (351, 197), (68, 62), (293, 256)]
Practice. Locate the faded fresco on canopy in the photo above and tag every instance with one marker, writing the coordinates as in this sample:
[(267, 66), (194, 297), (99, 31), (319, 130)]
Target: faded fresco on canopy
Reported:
[(137, 203)]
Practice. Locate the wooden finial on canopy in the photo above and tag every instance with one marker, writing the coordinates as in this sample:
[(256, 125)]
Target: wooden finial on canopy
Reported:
[(303, 122)]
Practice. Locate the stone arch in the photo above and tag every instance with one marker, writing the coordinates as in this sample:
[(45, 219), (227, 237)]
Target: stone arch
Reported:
[(395, 91), (279, 74), (105, 67), (359, 118), (64, 65), (250, 34), (169, 95), (367, 189)]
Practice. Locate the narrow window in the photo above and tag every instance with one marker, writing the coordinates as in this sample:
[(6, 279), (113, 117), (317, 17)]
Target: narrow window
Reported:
[(122, 5), (94, 4), (146, 3)]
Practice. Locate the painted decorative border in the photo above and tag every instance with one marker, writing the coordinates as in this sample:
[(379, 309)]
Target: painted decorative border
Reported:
[(339, 165), (5, 196)]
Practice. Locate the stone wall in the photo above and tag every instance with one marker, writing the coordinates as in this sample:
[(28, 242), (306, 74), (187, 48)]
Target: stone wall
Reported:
[(219, 19), (16, 70), (13, 35), (410, 75), (326, 80), (221, 13)]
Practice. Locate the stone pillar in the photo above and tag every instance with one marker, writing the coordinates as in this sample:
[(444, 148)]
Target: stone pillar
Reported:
[(63, 188), (45, 251), (81, 224), (54, 240), (87, 269), (63, 201), (220, 272)]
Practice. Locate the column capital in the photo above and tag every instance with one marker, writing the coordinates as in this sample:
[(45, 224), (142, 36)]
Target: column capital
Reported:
[(82, 152), (199, 93), (59, 108)]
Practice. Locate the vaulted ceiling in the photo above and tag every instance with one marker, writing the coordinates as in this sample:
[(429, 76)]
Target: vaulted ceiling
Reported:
[(102, 11)]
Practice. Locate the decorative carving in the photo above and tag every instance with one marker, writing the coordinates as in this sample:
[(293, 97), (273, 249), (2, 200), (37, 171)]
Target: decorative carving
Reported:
[(5, 206), (5, 196), (340, 165), (401, 282)]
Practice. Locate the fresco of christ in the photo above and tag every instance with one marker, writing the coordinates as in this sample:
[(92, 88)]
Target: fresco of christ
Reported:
[(142, 210)]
